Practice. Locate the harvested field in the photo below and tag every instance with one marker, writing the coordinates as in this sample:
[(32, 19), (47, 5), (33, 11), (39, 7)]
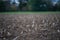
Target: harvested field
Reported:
[(29, 26)]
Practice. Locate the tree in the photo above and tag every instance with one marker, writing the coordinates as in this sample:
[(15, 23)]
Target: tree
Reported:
[(49, 4), (40, 5), (35, 5), (23, 5), (58, 4), (2, 6)]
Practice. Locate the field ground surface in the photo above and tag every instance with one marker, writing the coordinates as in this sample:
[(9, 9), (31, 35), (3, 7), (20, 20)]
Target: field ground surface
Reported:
[(30, 26)]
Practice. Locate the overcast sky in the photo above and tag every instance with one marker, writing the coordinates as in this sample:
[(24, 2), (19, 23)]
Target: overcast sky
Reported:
[(15, 1), (55, 1)]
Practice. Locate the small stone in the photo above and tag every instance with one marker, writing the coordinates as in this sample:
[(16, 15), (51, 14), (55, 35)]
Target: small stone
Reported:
[(27, 25), (4, 38), (9, 34), (32, 25), (35, 28), (15, 38), (53, 24), (21, 32), (58, 30), (9, 26), (29, 30), (43, 21)]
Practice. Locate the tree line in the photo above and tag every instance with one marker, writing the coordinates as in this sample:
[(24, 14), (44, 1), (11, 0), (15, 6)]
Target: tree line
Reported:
[(30, 5)]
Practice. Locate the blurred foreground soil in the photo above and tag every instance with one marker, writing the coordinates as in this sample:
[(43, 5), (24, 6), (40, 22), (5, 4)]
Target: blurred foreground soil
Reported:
[(29, 26)]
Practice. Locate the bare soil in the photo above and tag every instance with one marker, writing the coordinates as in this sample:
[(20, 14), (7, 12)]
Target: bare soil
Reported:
[(29, 27)]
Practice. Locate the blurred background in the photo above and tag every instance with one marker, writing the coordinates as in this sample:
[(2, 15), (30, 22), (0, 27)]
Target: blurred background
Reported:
[(29, 5)]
